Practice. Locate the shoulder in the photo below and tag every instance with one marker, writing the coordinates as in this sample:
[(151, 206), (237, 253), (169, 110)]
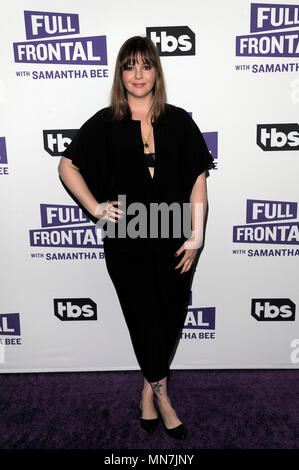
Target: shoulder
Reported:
[(176, 112), (100, 118), (178, 116), (103, 114)]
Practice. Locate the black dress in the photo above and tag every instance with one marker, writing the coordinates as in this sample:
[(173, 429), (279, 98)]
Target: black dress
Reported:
[(152, 294)]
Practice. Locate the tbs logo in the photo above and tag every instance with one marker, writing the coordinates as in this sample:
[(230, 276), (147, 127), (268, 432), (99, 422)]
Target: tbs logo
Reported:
[(172, 40), (273, 309), (56, 141), (75, 309), (278, 136)]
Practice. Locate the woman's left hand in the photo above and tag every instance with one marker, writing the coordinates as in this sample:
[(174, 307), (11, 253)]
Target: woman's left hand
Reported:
[(188, 258)]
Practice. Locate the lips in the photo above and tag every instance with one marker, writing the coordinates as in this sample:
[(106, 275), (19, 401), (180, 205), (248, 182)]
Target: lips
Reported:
[(139, 85)]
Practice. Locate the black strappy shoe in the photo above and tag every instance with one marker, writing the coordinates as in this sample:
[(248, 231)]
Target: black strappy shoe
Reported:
[(148, 425)]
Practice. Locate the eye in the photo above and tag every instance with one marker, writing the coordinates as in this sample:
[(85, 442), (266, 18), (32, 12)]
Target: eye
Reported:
[(147, 67), (129, 68)]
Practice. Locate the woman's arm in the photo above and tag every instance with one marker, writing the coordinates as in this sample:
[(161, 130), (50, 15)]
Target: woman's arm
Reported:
[(75, 182), (199, 203)]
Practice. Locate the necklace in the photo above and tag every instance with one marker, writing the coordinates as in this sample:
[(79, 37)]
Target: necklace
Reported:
[(146, 141)]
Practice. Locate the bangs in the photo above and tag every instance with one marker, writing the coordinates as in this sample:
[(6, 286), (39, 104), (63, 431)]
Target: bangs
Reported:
[(131, 54), (143, 50)]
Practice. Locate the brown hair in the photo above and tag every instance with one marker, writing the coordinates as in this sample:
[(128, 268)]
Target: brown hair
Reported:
[(127, 55)]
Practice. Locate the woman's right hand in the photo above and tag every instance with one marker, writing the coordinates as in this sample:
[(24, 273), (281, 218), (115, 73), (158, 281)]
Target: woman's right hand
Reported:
[(107, 211)]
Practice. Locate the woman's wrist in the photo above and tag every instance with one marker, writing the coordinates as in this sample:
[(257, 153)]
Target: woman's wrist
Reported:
[(195, 241), (100, 208)]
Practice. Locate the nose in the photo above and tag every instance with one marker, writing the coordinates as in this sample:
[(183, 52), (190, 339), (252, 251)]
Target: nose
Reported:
[(138, 71)]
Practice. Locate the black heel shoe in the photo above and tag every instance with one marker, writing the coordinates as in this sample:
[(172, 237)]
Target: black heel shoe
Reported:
[(180, 432), (149, 425)]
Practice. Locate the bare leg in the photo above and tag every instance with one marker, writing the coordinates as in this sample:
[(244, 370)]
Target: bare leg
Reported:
[(148, 407), (168, 413)]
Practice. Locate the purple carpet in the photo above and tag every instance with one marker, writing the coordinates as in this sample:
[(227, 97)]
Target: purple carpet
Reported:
[(223, 409)]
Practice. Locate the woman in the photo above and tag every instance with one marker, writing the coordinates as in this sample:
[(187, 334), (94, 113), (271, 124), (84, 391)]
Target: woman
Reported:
[(150, 152)]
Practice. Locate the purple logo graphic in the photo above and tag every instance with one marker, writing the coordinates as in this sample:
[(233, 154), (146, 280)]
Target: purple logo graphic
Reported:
[(200, 318), (10, 324), (39, 24), (82, 51), (265, 211), (259, 214), (91, 50), (211, 139), (53, 215), (3, 152), (72, 228), (267, 17), (198, 321)]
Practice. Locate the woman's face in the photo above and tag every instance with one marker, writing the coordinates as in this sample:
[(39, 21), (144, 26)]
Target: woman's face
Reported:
[(139, 79)]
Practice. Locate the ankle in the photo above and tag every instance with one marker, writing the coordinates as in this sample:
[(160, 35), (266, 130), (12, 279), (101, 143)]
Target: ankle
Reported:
[(147, 394), (163, 400)]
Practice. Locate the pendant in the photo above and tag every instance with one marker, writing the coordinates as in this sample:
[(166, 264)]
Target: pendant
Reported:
[(146, 145)]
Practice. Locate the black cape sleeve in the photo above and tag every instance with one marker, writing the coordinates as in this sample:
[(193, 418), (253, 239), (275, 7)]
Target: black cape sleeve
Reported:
[(196, 157), (88, 151)]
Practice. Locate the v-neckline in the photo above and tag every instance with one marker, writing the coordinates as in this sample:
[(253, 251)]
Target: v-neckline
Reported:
[(151, 153), (151, 178), (147, 170)]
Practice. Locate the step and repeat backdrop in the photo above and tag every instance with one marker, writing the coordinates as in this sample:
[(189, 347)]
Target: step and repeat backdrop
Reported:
[(234, 66)]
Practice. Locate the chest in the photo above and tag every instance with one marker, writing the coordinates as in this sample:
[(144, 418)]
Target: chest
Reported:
[(126, 150)]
